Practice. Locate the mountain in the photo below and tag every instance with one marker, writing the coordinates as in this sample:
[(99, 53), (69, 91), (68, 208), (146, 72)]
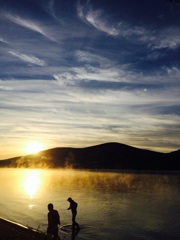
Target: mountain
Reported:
[(103, 156)]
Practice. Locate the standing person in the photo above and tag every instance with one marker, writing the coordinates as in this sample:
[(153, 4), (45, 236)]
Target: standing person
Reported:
[(73, 207), (53, 221)]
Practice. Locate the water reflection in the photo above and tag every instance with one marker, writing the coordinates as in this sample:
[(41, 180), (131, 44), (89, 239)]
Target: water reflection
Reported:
[(36, 181), (111, 204), (31, 182), (31, 206)]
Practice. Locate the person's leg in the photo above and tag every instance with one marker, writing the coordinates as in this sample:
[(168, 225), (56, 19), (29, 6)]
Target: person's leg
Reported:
[(77, 225), (74, 220), (55, 232), (50, 231)]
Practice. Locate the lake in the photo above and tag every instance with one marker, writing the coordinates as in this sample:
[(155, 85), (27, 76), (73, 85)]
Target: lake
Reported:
[(111, 205)]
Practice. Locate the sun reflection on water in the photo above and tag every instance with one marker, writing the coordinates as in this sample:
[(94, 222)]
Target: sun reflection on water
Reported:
[(32, 181), (31, 206)]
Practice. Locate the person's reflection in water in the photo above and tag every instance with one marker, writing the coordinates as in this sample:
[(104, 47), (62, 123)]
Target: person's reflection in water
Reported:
[(73, 208), (53, 222), (74, 233)]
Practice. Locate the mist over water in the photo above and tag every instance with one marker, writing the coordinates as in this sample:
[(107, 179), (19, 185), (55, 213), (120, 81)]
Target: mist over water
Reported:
[(111, 205)]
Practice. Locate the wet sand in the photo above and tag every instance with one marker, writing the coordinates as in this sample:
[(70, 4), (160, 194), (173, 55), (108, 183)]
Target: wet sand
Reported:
[(10, 230)]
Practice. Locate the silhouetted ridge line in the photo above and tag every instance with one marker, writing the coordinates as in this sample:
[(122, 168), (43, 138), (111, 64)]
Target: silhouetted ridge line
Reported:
[(103, 156)]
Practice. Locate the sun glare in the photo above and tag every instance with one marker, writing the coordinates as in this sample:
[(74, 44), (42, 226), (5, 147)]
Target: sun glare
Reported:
[(34, 147), (32, 182)]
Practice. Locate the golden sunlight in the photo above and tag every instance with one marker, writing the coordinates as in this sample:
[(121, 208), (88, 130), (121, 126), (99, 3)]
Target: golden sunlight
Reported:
[(33, 147), (32, 182)]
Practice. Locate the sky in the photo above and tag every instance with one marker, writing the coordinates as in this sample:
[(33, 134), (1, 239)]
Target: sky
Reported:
[(77, 73)]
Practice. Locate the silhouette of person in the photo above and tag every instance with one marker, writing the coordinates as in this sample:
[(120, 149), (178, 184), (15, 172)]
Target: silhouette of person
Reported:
[(53, 221), (73, 207)]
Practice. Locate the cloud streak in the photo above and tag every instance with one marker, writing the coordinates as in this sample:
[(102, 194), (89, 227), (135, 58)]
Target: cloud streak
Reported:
[(96, 19), (166, 38), (28, 24), (28, 58), (3, 40)]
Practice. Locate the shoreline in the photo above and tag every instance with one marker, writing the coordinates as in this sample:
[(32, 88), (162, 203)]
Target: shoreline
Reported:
[(11, 230)]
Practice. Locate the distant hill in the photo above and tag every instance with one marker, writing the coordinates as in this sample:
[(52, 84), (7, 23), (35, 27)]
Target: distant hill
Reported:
[(103, 156)]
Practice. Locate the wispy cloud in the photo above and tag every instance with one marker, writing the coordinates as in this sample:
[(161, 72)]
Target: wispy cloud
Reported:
[(92, 58), (115, 114), (25, 23), (102, 70), (3, 40), (50, 8), (96, 18), (102, 22), (28, 58), (75, 75), (28, 24), (93, 71), (165, 38)]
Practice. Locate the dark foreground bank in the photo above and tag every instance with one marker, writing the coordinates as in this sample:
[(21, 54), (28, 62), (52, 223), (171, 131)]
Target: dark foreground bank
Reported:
[(10, 230)]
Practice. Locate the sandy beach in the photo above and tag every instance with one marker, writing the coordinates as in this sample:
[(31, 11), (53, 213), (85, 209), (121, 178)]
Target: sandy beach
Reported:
[(10, 230)]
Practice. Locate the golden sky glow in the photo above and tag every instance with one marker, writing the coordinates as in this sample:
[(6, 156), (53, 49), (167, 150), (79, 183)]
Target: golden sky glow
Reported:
[(60, 86), (33, 147)]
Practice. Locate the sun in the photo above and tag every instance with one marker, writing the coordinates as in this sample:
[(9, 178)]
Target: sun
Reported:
[(33, 147)]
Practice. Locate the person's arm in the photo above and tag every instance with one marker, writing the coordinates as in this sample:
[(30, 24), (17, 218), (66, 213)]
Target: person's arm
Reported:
[(70, 206), (59, 218)]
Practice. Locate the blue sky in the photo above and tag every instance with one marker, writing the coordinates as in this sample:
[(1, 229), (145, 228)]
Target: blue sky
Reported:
[(80, 73)]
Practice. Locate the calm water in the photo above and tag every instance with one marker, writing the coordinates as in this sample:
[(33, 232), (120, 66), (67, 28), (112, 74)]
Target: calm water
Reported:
[(114, 205)]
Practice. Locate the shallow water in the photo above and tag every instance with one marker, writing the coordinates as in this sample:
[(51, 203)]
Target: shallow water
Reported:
[(111, 205)]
